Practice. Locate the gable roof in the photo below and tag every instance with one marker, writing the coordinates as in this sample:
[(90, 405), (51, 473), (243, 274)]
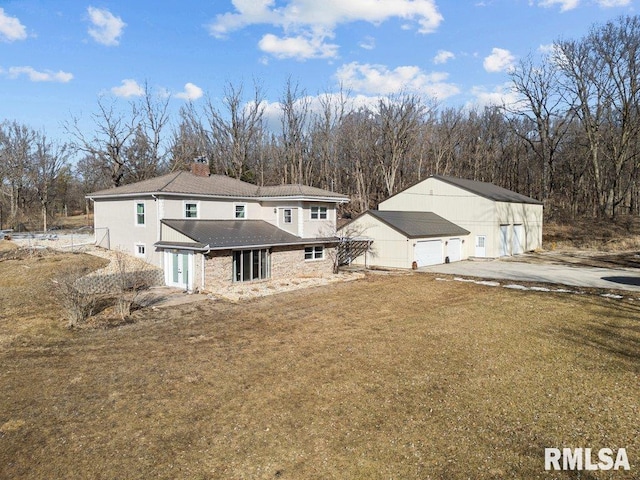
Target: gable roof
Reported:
[(228, 234), (186, 183), (417, 224), (488, 190)]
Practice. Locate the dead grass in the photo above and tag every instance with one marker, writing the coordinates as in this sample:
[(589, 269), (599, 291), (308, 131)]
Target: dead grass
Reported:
[(7, 246), (389, 377), (620, 235), (26, 307)]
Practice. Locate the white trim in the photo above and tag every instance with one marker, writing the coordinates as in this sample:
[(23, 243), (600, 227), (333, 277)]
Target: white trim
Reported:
[(313, 253), (184, 208), (135, 213), (319, 207), (136, 251), (168, 268), (284, 215), (292, 198), (245, 209)]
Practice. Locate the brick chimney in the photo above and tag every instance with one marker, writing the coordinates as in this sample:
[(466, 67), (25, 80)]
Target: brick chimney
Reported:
[(200, 167)]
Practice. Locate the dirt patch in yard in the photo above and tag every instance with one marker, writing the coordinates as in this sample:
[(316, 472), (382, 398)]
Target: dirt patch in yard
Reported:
[(385, 377)]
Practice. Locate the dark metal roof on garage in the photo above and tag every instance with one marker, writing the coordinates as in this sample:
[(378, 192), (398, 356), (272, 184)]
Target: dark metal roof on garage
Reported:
[(235, 234), (488, 190), (418, 224)]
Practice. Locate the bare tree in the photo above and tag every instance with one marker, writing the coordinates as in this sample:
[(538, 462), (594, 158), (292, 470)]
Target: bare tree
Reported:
[(48, 162), (295, 117), (543, 105), (397, 126), (324, 138), (235, 132), (601, 80), (113, 129), (18, 142)]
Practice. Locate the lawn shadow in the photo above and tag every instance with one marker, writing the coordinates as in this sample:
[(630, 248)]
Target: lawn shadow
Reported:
[(624, 280), (615, 331)]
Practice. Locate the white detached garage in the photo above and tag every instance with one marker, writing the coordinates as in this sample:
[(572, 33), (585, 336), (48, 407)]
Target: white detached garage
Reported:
[(502, 222), (401, 238)]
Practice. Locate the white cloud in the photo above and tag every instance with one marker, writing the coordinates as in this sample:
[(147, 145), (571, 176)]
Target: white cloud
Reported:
[(379, 80), (299, 47), (565, 5), (129, 88), (10, 28), (500, 95), (36, 76), (313, 21), (107, 28), (191, 92), (443, 56), (500, 60), (368, 43), (613, 3)]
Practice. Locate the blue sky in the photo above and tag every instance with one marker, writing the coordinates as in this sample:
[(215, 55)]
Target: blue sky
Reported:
[(58, 57)]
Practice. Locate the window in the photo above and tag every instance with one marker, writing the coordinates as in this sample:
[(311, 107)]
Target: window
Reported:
[(139, 213), (190, 210), (318, 213), (251, 265), (241, 211), (287, 215), (314, 253), (140, 249)]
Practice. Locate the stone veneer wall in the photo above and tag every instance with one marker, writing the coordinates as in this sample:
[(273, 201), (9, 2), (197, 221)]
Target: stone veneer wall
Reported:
[(218, 270), (286, 262)]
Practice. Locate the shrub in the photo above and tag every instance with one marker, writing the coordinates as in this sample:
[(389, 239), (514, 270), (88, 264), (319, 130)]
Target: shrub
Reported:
[(72, 297)]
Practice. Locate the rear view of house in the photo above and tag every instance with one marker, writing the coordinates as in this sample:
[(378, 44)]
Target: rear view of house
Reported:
[(445, 219), (205, 230)]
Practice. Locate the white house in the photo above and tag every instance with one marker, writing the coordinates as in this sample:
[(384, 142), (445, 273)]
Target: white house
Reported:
[(205, 230), (445, 219)]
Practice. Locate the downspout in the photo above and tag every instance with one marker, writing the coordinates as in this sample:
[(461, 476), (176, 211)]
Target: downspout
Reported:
[(208, 247)]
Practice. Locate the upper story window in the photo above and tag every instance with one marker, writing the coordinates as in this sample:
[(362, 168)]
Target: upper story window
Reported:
[(287, 215), (140, 213), (190, 210), (318, 213), (241, 211)]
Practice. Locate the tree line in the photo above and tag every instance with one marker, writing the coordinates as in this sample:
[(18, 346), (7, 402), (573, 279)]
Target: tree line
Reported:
[(571, 139)]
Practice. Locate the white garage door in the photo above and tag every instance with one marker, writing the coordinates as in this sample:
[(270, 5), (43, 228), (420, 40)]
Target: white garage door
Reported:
[(454, 249), (517, 245), (428, 252)]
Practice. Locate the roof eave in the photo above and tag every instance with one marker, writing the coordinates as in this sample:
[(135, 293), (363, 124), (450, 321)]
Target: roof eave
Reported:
[(299, 198)]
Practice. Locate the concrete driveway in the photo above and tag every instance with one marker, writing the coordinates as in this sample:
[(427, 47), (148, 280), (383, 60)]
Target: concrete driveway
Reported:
[(575, 276)]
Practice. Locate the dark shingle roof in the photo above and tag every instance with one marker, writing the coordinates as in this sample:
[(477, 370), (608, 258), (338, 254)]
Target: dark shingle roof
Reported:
[(214, 185), (227, 234), (488, 190), (418, 224)]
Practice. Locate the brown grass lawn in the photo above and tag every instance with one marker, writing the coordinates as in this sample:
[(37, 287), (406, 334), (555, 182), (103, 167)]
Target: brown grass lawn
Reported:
[(394, 377)]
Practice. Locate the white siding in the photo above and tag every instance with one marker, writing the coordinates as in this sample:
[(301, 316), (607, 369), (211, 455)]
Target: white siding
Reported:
[(119, 218), (390, 248), (479, 215)]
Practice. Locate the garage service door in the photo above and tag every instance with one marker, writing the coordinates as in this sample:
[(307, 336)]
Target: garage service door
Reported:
[(454, 249), (428, 252)]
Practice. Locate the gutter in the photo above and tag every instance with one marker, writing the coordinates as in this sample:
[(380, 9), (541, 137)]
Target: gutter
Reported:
[(154, 194)]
